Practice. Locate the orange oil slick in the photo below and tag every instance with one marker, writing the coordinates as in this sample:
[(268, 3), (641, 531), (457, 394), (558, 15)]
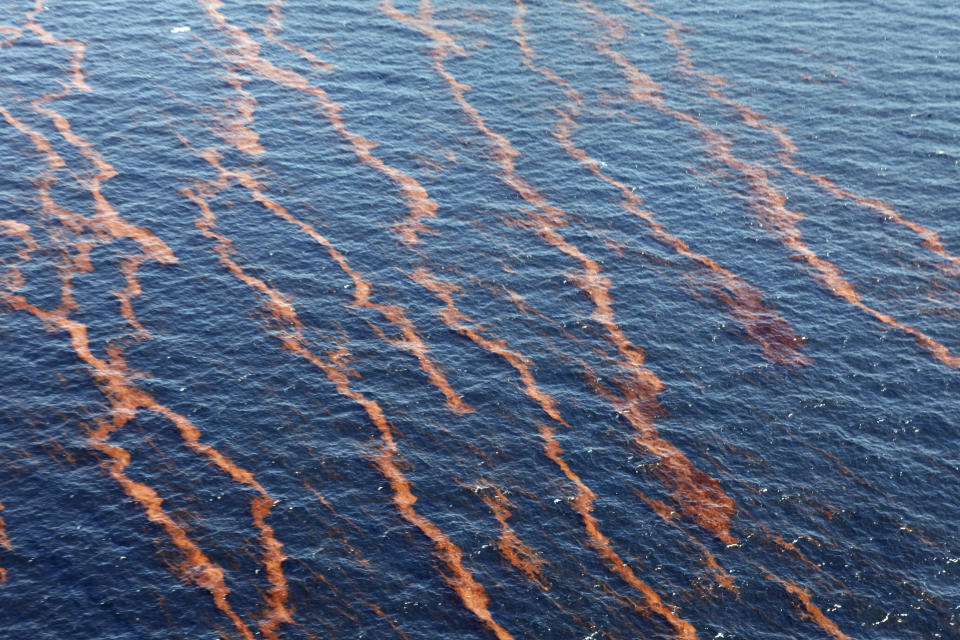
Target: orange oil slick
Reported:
[(237, 129), (279, 306), (514, 550), (107, 217), (761, 323), (700, 497), (720, 574), (127, 401), (931, 239), (115, 380), (789, 546), (50, 209), (703, 496), (523, 40), (4, 544), (261, 504), (129, 268), (42, 145), (14, 35), (811, 611), (463, 325), (196, 566), (768, 202), (4, 538), (583, 504), (78, 48), (272, 28), (472, 594), (14, 279), (521, 303)]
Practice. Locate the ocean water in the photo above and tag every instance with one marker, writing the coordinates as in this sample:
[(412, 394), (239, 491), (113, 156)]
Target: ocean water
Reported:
[(519, 319)]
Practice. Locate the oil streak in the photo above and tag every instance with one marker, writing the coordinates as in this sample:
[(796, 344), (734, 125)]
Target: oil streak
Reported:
[(395, 314), (78, 48), (4, 542), (810, 610), (22, 231), (247, 54), (515, 551), (112, 377), (523, 41), (583, 504), (237, 130), (461, 323), (70, 220), (273, 27), (511, 547), (15, 34), (720, 575)]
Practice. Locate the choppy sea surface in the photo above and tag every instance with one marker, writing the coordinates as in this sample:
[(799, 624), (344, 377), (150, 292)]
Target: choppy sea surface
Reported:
[(588, 319)]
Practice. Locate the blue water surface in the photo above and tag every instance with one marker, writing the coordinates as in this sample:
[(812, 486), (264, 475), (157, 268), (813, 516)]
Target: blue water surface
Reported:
[(538, 419)]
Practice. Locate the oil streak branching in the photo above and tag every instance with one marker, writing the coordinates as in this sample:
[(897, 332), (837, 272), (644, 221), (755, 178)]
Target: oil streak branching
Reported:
[(583, 505)]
